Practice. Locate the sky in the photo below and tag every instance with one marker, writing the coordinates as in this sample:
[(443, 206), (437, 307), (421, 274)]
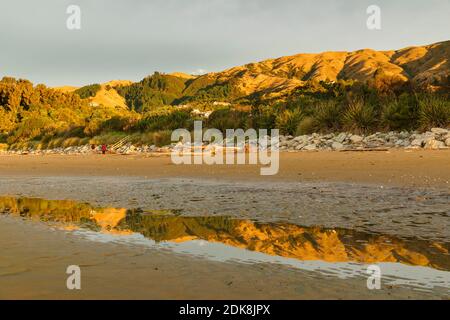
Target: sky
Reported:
[(130, 39)]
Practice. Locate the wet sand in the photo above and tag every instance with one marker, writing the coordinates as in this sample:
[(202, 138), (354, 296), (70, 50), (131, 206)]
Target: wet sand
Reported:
[(397, 194), (424, 168), (34, 262)]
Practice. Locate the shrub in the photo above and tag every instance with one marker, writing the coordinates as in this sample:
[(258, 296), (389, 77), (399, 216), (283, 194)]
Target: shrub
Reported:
[(157, 121), (32, 126), (288, 121), (84, 141), (359, 117), (306, 126), (117, 123), (71, 142), (7, 121), (159, 138), (327, 115), (264, 117), (107, 138), (434, 111), (224, 119), (399, 114), (55, 143), (88, 91)]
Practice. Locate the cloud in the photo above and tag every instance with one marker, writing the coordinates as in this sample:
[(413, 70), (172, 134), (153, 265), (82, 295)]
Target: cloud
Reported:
[(199, 72), (129, 40)]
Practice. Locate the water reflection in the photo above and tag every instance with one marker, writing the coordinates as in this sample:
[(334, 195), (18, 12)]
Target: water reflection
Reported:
[(276, 239)]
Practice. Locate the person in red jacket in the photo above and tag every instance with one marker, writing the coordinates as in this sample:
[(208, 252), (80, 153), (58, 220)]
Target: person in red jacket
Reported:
[(104, 148)]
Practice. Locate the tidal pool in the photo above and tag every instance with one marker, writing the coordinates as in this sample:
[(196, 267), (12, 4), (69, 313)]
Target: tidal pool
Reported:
[(414, 262)]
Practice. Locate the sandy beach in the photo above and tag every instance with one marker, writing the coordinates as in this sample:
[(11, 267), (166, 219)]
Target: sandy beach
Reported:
[(401, 168), (289, 236)]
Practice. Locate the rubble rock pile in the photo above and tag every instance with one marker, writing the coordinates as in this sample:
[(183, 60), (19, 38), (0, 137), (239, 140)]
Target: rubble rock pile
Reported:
[(435, 139)]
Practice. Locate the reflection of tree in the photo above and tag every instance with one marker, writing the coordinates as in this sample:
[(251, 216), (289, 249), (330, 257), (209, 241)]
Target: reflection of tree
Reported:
[(46, 210), (166, 227)]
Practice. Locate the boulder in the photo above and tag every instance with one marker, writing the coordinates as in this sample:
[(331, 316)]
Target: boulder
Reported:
[(301, 138), (310, 147), (356, 139), (447, 142), (403, 135), (341, 137), (417, 143), (300, 146), (337, 146), (434, 144), (291, 143), (439, 130)]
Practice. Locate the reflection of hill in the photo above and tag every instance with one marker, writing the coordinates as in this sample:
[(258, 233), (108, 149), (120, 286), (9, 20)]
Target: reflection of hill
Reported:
[(46, 210), (291, 241), (281, 239)]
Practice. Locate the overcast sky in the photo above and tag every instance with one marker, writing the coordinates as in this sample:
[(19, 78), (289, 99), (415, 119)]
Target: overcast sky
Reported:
[(129, 39)]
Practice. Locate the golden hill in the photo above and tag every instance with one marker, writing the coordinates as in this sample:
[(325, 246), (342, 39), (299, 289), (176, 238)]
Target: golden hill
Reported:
[(424, 66), (66, 88), (182, 75), (108, 96)]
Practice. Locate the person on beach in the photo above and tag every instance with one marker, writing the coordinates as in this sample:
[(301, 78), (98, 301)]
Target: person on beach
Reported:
[(104, 148)]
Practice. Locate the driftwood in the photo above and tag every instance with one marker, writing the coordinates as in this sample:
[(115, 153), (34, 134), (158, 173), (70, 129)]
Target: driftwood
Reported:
[(364, 150)]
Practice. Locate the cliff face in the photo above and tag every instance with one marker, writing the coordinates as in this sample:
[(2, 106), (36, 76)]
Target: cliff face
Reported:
[(280, 239)]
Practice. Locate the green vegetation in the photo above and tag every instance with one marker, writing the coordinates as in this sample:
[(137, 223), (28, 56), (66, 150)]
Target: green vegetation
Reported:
[(166, 119), (31, 113), (227, 118), (361, 108), (88, 91), (359, 116), (152, 92), (40, 117), (160, 90), (433, 112), (288, 121)]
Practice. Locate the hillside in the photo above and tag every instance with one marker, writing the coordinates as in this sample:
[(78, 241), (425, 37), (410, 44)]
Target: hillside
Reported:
[(423, 66), (360, 92), (66, 89), (106, 94)]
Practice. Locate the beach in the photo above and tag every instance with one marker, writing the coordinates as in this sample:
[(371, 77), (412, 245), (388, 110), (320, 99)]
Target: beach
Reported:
[(421, 168), (143, 228)]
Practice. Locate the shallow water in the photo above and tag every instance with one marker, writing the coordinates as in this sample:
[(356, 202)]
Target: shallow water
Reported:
[(422, 263), (399, 212)]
